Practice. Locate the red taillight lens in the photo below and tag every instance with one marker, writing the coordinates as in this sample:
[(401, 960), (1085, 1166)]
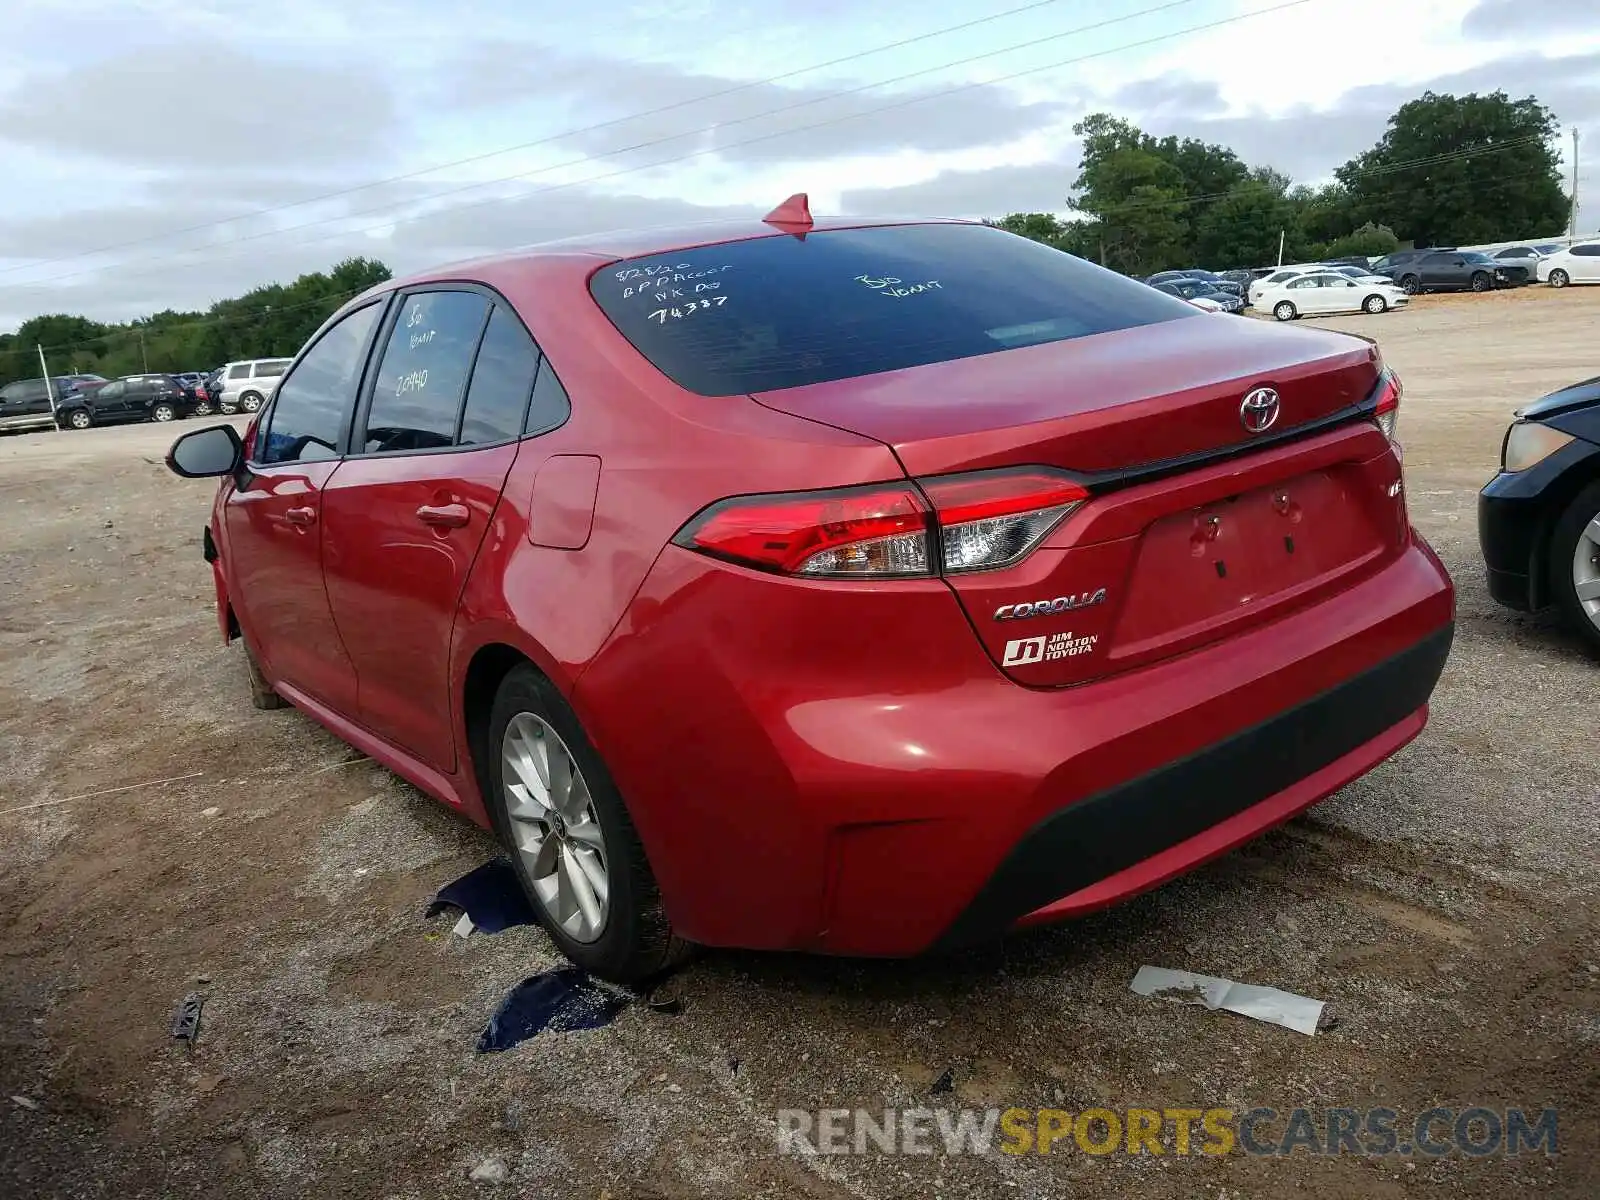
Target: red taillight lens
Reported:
[(1387, 411), (994, 518), (857, 532), (979, 521)]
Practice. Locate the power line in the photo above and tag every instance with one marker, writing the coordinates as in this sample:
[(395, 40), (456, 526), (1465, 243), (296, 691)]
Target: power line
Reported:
[(545, 141), (874, 111)]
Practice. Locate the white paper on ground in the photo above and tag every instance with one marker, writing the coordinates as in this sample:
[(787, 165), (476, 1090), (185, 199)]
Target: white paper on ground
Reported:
[(1300, 1013), (464, 927)]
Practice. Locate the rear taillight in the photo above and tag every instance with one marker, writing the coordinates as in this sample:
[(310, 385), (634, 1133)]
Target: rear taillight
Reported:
[(946, 524), (1387, 410)]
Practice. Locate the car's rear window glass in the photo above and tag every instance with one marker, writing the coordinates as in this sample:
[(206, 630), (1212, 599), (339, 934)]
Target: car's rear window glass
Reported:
[(780, 312)]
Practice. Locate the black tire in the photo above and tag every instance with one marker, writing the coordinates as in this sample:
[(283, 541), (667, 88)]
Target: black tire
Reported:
[(1559, 278), (1284, 311), (1374, 304), (1564, 540), (637, 941), (250, 401), (261, 693), (164, 412), (202, 408), (1481, 281), (1411, 285), (78, 418)]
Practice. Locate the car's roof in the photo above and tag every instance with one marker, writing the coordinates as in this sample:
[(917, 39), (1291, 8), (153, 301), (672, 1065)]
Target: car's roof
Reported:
[(640, 243)]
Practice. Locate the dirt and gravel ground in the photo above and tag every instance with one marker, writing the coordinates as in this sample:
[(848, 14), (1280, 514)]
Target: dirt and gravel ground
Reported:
[(1446, 906)]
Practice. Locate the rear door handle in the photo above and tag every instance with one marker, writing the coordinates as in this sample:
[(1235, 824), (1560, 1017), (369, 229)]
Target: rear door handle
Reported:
[(300, 516), (444, 516)]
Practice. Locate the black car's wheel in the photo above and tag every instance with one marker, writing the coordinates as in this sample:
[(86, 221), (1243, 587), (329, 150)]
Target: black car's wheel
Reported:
[(164, 412), (250, 401), (1575, 565), (1284, 311), (201, 408), (572, 842), (1410, 285), (1559, 278), (1374, 304), (78, 418), (1481, 281)]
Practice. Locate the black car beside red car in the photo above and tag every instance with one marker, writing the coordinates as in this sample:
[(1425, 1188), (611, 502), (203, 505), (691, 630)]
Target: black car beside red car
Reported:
[(1539, 518), (131, 398)]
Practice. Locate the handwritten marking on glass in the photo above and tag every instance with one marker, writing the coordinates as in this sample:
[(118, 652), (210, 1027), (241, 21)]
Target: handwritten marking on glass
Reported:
[(667, 279), (890, 285), (678, 312), (413, 381)]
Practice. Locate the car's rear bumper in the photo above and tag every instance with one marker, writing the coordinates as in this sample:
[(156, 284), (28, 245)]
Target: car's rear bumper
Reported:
[(843, 769)]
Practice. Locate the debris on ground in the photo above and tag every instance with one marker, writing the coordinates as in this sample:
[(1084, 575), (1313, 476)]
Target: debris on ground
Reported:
[(27, 1102), (186, 1019), (561, 1001), (463, 927), (490, 1170), (1299, 1013), (491, 895), (946, 1082)]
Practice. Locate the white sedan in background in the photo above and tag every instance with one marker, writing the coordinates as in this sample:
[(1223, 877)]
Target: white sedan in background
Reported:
[(1575, 264), (1321, 292)]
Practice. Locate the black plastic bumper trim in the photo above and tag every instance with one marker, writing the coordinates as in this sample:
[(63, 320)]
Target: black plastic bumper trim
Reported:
[(1095, 838)]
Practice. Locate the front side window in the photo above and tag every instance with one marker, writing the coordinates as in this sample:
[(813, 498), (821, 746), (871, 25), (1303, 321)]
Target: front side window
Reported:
[(1590, 251), (778, 311), (423, 373), (314, 400)]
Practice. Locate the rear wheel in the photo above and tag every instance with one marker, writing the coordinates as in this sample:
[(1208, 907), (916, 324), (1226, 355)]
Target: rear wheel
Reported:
[(202, 408), (1284, 311), (573, 845), (1481, 281), (163, 412), (250, 401), (1375, 304), (1559, 278), (1575, 565), (1410, 285)]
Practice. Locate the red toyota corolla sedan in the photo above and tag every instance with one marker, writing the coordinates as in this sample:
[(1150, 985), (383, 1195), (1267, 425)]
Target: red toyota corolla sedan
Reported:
[(857, 587)]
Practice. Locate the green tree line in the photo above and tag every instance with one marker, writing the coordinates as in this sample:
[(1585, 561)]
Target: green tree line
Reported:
[(267, 322), (1449, 170)]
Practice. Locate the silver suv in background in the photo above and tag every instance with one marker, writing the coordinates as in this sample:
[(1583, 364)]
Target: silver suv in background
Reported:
[(248, 385)]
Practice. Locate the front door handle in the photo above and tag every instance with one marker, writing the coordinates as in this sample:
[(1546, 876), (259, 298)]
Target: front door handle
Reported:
[(300, 516), (444, 516)]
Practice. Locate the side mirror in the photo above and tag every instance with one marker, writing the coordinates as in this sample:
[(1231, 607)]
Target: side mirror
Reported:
[(206, 453)]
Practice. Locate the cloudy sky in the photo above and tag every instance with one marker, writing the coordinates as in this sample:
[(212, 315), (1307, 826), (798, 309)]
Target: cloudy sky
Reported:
[(167, 153)]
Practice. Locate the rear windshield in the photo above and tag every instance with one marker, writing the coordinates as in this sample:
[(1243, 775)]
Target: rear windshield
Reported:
[(781, 312)]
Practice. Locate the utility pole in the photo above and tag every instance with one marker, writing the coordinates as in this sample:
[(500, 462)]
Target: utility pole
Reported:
[(1572, 220), (49, 387), (143, 353)]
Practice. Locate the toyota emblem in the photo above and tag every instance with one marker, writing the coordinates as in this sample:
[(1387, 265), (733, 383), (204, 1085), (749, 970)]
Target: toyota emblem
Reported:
[(1259, 409)]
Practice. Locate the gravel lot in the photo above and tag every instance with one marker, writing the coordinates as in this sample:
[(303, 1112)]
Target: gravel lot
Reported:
[(1445, 906)]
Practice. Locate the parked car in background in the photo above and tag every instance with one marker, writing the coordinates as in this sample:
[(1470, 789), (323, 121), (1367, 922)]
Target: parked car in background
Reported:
[(1539, 518), (1219, 282), (1524, 258), (26, 403), (1359, 274), (1241, 278), (1450, 271), (198, 394), (1576, 264), (131, 398), (1391, 262), (246, 386), (1190, 289), (1319, 293), (1207, 304), (1277, 276), (598, 564)]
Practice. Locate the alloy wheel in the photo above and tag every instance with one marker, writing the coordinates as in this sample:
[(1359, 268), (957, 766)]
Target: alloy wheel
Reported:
[(250, 403), (162, 412), (554, 827), (1411, 285), (1375, 304), (1586, 570), (1284, 311), (1558, 279), (79, 420)]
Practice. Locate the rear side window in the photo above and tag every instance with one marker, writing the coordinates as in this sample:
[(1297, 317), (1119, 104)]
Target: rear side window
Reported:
[(781, 311), (314, 400), (1590, 251), (423, 373), (242, 371), (502, 380), (270, 370)]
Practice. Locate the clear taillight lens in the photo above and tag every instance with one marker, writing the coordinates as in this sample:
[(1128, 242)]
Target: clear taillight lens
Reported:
[(977, 521)]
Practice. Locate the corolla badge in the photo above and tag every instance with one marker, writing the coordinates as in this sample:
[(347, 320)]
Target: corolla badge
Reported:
[(1045, 608), (1259, 409)]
